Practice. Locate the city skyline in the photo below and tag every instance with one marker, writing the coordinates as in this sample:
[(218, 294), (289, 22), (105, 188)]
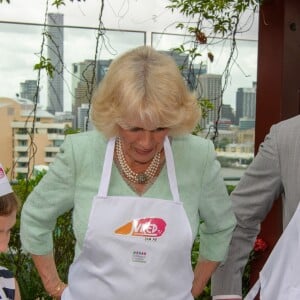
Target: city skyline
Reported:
[(18, 65), (235, 144), (117, 41)]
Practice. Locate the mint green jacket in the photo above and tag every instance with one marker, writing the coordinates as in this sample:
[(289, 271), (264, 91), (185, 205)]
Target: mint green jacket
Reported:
[(73, 180)]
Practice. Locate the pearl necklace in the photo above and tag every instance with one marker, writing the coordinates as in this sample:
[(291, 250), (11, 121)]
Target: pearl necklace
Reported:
[(132, 176)]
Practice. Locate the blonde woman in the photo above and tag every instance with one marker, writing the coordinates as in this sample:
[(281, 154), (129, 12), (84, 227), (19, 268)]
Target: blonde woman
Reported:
[(139, 185)]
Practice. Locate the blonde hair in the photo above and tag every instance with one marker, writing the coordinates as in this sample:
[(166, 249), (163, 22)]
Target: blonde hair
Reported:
[(146, 85)]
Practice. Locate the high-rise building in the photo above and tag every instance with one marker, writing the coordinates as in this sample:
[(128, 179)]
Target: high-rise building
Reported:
[(190, 72), (85, 78), (245, 103), (210, 88), (83, 120), (182, 60), (82, 85), (227, 112), (28, 90), (55, 40)]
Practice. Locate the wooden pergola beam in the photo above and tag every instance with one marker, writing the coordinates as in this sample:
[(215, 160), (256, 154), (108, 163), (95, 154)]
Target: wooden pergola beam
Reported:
[(278, 89)]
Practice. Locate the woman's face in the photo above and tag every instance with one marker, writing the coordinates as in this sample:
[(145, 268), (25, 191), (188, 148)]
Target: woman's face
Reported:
[(141, 143), (6, 224)]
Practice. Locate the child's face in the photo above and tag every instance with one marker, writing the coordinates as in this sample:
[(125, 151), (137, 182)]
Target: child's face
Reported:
[(6, 224)]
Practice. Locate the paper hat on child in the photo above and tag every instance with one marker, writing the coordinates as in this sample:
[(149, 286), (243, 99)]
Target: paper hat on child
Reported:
[(5, 187)]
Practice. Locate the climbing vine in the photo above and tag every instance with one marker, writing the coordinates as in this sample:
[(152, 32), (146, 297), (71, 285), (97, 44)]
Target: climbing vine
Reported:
[(213, 21)]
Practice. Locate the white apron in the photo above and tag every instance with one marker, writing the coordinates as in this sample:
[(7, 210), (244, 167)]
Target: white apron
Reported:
[(280, 278), (135, 248)]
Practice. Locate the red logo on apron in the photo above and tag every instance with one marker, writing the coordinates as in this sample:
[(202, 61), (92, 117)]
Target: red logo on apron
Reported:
[(147, 227)]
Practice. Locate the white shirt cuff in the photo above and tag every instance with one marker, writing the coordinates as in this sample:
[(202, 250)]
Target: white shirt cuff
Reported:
[(227, 297)]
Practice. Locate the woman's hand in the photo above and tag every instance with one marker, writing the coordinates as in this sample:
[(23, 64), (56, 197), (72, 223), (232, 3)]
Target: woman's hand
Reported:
[(46, 267), (57, 291), (202, 273)]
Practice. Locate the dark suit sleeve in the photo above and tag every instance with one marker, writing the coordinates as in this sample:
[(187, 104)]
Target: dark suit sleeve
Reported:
[(252, 199)]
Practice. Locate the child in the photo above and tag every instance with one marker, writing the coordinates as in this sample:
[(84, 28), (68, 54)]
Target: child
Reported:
[(8, 210)]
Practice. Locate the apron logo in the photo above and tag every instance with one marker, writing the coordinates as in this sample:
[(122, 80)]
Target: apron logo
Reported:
[(147, 227)]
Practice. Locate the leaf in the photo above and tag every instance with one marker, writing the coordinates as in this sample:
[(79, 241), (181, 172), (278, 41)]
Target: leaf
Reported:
[(58, 3), (45, 63), (210, 56)]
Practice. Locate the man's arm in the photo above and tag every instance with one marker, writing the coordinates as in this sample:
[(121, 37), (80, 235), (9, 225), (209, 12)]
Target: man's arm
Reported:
[(252, 199)]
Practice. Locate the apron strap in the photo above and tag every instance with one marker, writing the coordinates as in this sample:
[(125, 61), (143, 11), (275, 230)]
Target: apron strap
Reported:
[(107, 167), (171, 170), (254, 291)]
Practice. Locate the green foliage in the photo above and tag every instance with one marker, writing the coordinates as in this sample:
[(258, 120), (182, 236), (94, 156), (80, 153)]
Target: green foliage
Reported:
[(230, 188), (70, 130), (192, 52), (206, 106), (221, 15), (58, 3), (222, 143), (45, 64), (211, 19), (64, 244), (214, 18), (194, 256)]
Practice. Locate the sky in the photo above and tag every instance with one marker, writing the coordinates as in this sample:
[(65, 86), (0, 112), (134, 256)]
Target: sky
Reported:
[(20, 45)]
